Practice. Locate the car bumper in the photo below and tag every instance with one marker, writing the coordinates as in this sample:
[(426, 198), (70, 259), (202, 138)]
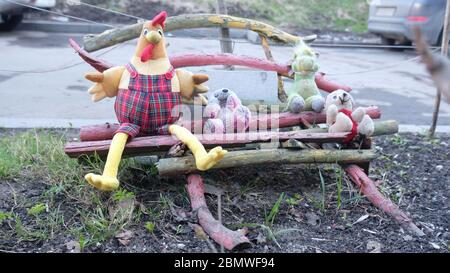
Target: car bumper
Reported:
[(399, 28), (389, 27)]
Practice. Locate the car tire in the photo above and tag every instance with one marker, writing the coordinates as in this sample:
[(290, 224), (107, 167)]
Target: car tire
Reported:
[(387, 41), (10, 22)]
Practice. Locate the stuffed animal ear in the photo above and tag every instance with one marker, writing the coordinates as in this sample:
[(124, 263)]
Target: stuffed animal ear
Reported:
[(233, 101)]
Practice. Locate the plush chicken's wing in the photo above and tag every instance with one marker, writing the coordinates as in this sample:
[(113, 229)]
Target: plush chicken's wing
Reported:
[(106, 83)]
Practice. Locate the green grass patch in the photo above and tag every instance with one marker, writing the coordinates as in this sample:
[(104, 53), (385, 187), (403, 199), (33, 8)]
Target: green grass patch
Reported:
[(340, 15)]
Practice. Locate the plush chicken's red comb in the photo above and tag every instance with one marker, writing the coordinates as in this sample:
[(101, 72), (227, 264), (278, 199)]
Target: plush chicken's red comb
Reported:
[(160, 19)]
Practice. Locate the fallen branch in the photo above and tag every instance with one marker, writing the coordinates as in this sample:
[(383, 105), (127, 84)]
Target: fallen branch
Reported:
[(178, 165), (368, 188), (189, 21), (262, 122), (220, 234)]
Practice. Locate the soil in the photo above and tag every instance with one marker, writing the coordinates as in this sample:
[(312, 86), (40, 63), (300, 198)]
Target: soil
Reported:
[(413, 171)]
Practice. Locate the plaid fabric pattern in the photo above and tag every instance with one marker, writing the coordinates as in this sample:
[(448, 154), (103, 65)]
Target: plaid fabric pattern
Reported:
[(148, 106)]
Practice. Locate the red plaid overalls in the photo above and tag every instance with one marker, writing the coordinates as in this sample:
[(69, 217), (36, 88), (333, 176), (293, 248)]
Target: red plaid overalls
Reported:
[(148, 106)]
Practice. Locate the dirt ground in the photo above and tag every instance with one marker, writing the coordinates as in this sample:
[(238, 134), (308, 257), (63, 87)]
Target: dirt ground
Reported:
[(413, 171)]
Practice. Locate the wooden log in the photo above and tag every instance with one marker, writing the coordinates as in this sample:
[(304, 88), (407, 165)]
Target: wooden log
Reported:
[(369, 189), (262, 122), (220, 234), (189, 21), (286, 119), (382, 128), (178, 165), (186, 60), (151, 144), (226, 44), (282, 96)]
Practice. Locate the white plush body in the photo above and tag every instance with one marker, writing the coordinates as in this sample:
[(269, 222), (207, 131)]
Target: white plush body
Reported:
[(341, 123), (226, 113)]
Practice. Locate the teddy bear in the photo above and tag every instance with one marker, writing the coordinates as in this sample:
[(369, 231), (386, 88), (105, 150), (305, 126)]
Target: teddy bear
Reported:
[(225, 113), (342, 117), (304, 95)]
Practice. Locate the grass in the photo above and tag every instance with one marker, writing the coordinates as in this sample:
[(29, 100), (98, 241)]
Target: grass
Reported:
[(38, 155), (270, 218), (340, 15)]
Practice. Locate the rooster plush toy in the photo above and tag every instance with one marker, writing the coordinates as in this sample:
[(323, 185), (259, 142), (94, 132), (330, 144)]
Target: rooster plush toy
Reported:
[(148, 93)]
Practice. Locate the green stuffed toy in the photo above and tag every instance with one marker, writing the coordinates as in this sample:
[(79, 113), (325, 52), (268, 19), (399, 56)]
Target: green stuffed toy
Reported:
[(304, 95)]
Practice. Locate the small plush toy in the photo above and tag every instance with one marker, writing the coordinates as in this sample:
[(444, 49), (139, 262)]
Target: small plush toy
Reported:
[(304, 95), (342, 118), (149, 92), (226, 113)]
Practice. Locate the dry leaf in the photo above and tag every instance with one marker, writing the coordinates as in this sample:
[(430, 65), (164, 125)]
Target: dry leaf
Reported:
[(362, 218), (125, 237)]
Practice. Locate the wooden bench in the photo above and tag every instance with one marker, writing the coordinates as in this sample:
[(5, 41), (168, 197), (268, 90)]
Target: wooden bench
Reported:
[(298, 138)]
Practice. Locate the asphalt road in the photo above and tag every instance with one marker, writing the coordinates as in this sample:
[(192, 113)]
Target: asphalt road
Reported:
[(56, 97)]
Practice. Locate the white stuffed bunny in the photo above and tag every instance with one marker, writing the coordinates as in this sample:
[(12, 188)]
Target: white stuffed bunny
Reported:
[(342, 118), (226, 113)]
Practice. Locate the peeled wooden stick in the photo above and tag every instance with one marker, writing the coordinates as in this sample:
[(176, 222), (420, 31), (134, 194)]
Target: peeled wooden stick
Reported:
[(186, 164), (368, 188), (189, 21), (220, 234)]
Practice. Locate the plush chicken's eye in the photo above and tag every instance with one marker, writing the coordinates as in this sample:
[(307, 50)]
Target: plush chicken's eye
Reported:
[(145, 32), (160, 32)]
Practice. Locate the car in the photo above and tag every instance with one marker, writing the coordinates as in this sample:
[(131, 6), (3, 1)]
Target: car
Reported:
[(12, 13), (393, 20)]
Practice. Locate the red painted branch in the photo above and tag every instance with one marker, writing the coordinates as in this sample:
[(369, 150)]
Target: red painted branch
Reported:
[(186, 60), (282, 120), (368, 188), (287, 119), (220, 234), (328, 86), (99, 64), (149, 144)]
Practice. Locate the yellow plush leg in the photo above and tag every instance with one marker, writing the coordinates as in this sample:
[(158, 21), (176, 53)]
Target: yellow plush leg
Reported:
[(204, 160), (108, 181)]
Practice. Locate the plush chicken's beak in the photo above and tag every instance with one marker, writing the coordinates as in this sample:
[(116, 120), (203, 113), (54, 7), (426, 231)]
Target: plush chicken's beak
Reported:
[(153, 37)]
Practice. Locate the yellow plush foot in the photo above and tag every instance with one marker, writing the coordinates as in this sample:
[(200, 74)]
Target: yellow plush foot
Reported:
[(210, 159), (102, 182)]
